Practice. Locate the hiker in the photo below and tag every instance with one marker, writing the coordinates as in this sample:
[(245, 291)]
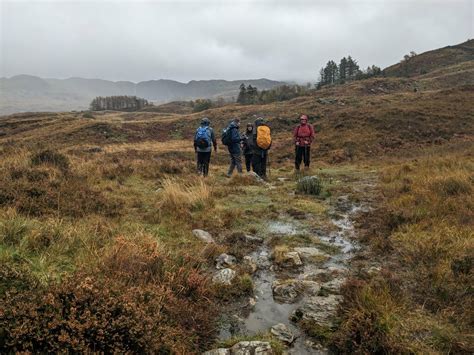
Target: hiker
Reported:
[(262, 142), (204, 139), (247, 146), (303, 137), (231, 138)]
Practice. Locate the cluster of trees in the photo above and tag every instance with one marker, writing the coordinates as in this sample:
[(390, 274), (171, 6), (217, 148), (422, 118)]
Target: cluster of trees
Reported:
[(118, 103), (250, 95), (347, 70)]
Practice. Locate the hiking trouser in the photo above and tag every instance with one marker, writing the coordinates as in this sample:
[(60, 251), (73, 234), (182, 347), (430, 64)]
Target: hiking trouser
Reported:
[(248, 162), (203, 160), (235, 162), (302, 153), (259, 163)]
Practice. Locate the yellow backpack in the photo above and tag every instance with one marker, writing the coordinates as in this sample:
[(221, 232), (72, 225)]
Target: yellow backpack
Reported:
[(264, 137)]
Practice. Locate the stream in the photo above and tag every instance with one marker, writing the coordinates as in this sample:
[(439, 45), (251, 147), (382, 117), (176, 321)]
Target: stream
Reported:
[(268, 312)]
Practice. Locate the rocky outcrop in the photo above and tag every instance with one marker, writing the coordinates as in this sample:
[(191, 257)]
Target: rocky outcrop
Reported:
[(282, 333), (203, 235), (224, 277), (244, 348)]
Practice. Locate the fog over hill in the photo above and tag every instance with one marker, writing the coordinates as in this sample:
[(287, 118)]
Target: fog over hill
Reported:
[(22, 93)]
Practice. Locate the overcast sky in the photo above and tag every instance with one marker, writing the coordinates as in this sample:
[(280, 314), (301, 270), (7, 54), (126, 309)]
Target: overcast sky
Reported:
[(186, 40)]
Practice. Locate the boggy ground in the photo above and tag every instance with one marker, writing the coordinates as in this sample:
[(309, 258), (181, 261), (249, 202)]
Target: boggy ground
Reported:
[(97, 218)]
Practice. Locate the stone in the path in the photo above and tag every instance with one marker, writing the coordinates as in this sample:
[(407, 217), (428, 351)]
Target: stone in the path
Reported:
[(286, 291), (252, 348), (253, 239), (311, 288), (334, 286), (225, 260), (249, 264), (321, 310), (282, 333), (203, 235), (224, 277), (310, 253), (291, 259), (220, 351)]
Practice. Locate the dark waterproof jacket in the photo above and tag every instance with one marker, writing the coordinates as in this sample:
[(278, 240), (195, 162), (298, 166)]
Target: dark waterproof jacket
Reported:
[(234, 146), (247, 143)]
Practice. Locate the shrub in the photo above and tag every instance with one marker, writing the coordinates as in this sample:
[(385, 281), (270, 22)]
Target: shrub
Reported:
[(310, 185), (452, 186), (51, 157), (138, 301)]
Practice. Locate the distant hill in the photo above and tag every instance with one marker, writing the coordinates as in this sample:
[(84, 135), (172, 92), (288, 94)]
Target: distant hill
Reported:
[(432, 60), (30, 93)]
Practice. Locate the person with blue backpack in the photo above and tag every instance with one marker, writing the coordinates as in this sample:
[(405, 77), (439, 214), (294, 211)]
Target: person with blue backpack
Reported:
[(231, 138), (204, 140)]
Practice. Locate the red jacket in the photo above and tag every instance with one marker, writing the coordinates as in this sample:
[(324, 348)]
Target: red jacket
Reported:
[(303, 134)]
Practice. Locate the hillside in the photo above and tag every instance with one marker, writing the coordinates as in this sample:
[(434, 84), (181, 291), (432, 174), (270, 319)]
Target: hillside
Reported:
[(29, 93), (111, 242), (433, 60)]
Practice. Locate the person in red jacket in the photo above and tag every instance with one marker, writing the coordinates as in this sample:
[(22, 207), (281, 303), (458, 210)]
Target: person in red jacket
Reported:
[(303, 136)]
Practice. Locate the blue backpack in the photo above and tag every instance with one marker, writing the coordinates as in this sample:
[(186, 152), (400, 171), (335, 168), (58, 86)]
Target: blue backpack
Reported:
[(203, 137)]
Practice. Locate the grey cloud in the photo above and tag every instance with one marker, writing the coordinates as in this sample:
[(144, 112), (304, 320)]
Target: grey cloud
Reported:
[(283, 40)]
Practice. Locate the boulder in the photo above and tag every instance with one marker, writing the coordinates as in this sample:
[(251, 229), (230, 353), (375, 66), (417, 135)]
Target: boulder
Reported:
[(249, 264), (220, 351), (321, 310), (225, 260), (291, 259), (334, 286), (286, 291), (252, 348), (203, 235), (310, 253), (224, 277), (282, 333)]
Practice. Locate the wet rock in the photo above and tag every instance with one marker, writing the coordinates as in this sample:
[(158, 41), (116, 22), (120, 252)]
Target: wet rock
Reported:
[(203, 235), (220, 351), (251, 348), (310, 253), (282, 333), (334, 286), (225, 260), (224, 277), (249, 264), (253, 239), (291, 259), (311, 287), (321, 310), (263, 259), (286, 291)]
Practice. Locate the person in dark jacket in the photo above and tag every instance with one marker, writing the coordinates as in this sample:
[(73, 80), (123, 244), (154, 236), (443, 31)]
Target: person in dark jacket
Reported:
[(303, 135), (260, 156), (204, 140), (247, 146), (234, 147)]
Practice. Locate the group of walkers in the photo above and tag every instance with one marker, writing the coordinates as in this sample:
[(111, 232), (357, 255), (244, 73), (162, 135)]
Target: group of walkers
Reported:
[(254, 144)]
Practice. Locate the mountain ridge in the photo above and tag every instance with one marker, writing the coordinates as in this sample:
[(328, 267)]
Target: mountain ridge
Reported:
[(25, 92)]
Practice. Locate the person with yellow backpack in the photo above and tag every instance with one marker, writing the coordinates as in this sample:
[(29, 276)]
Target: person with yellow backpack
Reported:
[(262, 142)]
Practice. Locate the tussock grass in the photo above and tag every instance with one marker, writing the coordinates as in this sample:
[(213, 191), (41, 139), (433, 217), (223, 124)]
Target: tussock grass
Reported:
[(425, 304), (178, 196)]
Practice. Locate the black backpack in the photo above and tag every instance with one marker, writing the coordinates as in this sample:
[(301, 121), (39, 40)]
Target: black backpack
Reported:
[(226, 137)]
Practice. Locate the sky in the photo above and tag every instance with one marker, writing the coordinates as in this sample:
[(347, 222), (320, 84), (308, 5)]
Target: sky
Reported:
[(196, 40)]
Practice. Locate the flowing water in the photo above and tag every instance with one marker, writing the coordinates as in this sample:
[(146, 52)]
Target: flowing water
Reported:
[(268, 312)]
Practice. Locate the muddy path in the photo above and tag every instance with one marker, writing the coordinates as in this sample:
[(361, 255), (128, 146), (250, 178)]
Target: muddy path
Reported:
[(300, 269)]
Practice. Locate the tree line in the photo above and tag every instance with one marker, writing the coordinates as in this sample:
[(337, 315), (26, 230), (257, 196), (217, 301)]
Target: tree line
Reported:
[(249, 95), (347, 70), (118, 103)]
